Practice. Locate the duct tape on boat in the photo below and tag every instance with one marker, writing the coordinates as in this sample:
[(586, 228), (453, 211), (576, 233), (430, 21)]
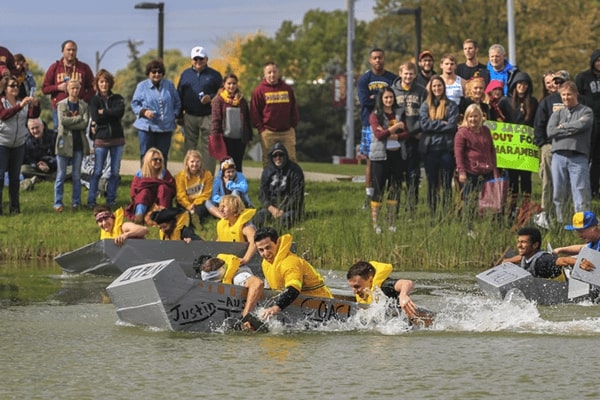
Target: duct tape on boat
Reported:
[(141, 272)]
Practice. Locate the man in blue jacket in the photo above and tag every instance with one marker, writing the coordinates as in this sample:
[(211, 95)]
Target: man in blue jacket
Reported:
[(198, 85)]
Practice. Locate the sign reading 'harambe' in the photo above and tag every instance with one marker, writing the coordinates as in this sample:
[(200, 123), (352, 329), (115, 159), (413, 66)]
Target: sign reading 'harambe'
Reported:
[(514, 146)]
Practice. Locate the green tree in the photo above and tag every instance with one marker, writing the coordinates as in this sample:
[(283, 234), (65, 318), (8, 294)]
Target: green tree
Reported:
[(309, 55)]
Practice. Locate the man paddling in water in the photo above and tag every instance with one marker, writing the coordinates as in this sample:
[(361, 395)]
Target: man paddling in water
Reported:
[(366, 278)]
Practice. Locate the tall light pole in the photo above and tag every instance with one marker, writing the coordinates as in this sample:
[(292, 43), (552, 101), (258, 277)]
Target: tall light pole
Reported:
[(99, 56), (350, 82), (417, 13), (161, 22)]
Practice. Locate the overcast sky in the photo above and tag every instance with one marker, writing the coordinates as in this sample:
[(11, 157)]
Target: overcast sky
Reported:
[(38, 28)]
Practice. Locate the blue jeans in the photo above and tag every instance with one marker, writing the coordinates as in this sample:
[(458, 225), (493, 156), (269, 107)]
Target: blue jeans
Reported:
[(61, 176), (11, 159), (160, 140), (570, 170), (100, 155)]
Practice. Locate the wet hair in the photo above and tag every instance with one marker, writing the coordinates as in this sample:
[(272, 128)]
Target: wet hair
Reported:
[(155, 64), (107, 76), (361, 268), (534, 235), (234, 203), (212, 264), (266, 232)]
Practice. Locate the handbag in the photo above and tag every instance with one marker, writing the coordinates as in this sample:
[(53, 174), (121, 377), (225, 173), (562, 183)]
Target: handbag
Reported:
[(493, 196), (216, 146)]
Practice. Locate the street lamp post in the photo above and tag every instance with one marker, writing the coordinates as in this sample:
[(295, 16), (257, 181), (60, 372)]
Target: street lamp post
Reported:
[(99, 56), (161, 22), (417, 13)]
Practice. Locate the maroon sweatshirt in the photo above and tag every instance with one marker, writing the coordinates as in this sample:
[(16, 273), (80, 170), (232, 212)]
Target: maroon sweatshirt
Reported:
[(273, 107)]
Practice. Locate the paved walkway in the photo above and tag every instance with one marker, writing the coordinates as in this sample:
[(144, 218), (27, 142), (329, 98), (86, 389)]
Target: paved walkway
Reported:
[(130, 167)]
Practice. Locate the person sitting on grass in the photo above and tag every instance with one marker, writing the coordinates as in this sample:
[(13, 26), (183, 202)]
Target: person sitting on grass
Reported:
[(153, 184), (194, 187), (174, 224), (229, 181), (226, 268), (112, 225), (236, 225)]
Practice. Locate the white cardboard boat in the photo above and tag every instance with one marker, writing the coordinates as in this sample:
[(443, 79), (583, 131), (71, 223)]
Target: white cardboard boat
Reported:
[(161, 295)]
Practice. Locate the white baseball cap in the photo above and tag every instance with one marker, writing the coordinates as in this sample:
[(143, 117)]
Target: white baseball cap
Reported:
[(198, 51)]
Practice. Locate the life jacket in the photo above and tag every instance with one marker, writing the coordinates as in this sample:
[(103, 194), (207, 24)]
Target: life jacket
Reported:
[(181, 221), (233, 233), (531, 267), (382, 272), (117, 226)]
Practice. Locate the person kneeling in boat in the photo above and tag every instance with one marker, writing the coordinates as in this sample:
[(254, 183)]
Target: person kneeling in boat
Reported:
[(236, 225), (112, 225), (174, 224), (226, 268), (539, 263), (585, 224), (286, 271), (366, 277)]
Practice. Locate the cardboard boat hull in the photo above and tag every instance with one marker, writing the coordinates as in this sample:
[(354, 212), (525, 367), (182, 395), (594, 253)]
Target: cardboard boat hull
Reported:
[(161, 295), (105, 258)]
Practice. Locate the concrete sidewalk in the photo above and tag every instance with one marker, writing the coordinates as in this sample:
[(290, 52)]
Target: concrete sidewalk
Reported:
[(130, 167)]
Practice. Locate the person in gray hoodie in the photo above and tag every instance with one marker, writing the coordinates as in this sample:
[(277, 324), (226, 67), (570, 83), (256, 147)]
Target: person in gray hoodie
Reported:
[(588, 85), (570, 130)]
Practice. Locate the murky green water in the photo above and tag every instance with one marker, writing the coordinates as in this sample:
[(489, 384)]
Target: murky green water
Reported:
[(59, 341)]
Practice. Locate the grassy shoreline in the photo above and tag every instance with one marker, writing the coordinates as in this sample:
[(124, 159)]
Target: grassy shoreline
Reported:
[(336, 232)]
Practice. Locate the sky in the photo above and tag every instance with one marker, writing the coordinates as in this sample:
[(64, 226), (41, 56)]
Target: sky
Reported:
[(37, 29)]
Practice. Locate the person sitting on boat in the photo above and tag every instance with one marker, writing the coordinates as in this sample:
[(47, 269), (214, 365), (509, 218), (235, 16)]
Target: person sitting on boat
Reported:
[(366, 277), (236, 225), (286, 271), (174, 224), (229, 181), (539, 263), (153, 184), (112, 225), (585, 224), (226, 268)]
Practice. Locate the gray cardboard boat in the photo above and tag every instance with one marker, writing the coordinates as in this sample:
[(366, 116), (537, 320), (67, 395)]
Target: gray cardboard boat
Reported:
[(161, 295), (105, 258), (498, 281)]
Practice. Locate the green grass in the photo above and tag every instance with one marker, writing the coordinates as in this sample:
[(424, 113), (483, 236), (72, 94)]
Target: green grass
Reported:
[(335, 233)]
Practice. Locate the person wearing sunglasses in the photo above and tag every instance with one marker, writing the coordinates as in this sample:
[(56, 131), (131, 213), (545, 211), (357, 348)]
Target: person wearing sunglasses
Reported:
[(13, 135), (156, 105)]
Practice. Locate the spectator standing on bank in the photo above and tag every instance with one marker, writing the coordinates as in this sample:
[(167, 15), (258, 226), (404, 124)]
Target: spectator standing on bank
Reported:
[(547, 84), (14, 112), (588, 85), (197, 87), (499, 67), (63, 70), (274, 113), (472, 68), (570, 129), (156, 104), (27, 87), (369, 85), (455, 86), (426, 70), (231, 118), (106, 110)]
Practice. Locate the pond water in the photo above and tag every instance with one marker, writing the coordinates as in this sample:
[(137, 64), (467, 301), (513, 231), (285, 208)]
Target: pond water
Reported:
[(61, 339)]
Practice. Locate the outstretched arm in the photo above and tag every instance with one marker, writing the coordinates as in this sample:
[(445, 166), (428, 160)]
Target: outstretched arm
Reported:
[(404, 287)]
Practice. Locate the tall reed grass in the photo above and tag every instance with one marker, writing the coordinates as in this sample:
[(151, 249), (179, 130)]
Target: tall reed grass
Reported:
[(335, 233)]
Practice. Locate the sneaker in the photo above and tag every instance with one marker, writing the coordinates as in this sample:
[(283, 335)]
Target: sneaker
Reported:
[(139, 219), (392, 229), (471, 233), (541, 220), (378, 229), (59, 209)]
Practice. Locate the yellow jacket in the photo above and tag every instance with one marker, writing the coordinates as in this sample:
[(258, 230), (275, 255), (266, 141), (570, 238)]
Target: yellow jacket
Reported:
[(288, 269), (117, 227), (233, 233), (232, 263), (195, 190), (382, 272)]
